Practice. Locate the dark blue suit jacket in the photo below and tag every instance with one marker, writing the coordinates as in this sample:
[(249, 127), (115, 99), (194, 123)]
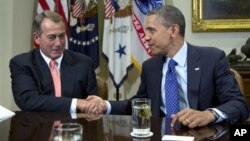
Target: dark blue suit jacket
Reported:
[(32, 84), (212, 85)]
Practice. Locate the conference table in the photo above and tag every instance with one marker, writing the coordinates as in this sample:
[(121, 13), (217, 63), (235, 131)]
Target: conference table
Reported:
[(36, 126)]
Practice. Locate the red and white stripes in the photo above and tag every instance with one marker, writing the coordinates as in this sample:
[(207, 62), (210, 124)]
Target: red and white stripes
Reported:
[(60, 6), (77, 9), (109, 9)]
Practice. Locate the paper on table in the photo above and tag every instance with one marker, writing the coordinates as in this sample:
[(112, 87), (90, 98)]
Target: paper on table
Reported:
[(177, 138), (5, 113)]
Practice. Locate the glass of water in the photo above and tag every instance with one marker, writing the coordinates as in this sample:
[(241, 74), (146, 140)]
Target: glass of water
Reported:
[(67, 132), (141, 116)]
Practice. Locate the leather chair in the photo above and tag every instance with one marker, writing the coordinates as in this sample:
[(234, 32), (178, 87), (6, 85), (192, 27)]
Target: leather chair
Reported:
[(238, 79), (102, 88)]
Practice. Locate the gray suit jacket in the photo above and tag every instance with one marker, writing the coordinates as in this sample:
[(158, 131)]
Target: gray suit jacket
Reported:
[(32, 84), (211, 86)]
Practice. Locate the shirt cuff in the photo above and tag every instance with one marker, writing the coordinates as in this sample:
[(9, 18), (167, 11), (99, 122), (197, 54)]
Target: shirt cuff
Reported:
[(108, 105), (73, 105), (222, 115)]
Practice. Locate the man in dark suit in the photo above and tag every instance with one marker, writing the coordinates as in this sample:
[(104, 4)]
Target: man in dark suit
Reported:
[(32, 82), (207, 91)]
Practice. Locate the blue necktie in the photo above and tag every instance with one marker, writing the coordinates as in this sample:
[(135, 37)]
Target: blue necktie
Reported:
[(171, 89), (168, 130)]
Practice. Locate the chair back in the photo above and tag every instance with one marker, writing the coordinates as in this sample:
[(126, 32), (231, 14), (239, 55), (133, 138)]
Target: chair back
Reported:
[(102, 88), (238, 79)]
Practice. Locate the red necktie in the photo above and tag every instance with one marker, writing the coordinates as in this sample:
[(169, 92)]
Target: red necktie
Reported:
[(56, 77)]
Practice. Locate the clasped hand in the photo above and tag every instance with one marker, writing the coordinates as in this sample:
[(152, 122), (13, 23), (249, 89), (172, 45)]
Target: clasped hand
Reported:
[(92, 105)]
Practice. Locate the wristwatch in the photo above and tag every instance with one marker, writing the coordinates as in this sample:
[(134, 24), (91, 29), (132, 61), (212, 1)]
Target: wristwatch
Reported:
[(215, 114)]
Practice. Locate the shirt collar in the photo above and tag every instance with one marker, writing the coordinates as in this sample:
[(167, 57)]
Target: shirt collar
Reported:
[(181, 56), (47, 59)]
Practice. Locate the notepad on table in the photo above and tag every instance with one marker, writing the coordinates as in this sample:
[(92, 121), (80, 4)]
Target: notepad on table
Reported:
[(5, 113), (177, 138)]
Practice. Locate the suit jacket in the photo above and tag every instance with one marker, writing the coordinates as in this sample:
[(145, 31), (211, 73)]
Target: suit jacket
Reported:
[(32, 83), (212, 85)]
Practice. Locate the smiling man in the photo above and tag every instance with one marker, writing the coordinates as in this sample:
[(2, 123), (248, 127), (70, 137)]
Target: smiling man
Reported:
[(50, 78), (190, 84)]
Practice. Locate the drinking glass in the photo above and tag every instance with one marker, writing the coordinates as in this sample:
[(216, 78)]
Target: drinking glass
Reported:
[(67, 132), (141, 116)]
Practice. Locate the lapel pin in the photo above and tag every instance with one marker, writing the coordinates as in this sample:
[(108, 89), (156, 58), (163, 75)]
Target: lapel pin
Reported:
[(196, 69)]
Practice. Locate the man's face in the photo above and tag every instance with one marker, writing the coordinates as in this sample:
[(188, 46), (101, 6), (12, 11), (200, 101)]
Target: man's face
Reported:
[(52, 38), (157, 35)]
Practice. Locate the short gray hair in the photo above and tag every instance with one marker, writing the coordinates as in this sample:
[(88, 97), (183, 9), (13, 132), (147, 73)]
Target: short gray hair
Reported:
[(55, 17)]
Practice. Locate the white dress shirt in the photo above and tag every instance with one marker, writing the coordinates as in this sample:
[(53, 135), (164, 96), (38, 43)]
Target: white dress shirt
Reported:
[(59, 60)]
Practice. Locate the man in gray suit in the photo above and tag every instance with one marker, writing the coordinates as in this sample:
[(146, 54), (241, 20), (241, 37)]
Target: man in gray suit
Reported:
[(32, 82), (207, 91)]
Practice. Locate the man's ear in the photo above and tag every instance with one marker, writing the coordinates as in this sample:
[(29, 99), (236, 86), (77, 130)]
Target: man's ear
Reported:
[(36, 38), (175, 30)]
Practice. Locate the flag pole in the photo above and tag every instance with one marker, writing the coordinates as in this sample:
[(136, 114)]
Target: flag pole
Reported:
[(117, 93)]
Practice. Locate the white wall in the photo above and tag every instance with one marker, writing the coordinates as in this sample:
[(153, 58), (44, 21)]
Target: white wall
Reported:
[(15, 37), (6, 50), (15, 34)]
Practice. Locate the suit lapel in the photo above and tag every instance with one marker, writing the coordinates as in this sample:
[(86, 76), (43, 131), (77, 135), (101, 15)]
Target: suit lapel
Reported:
[(44, 78), (194, 69), (68, 75), (156, 69), (158, 78)]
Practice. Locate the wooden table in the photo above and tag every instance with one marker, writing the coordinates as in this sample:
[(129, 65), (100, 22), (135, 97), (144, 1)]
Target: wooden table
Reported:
[(36, 126)]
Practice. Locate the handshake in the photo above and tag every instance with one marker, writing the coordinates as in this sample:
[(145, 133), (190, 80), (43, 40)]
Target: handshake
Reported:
[(92, 105)]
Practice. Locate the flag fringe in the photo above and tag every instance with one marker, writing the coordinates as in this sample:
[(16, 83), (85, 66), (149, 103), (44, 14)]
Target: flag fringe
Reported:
[(91, 12), (127, 11)]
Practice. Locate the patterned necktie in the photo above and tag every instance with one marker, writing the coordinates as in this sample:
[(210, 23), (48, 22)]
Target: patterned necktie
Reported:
[(56, 77), (171, 89), (168, 130)]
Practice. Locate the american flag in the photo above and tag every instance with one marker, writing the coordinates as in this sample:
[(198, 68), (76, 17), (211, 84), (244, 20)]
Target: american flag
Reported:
[(109, 9), (77, 9)]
